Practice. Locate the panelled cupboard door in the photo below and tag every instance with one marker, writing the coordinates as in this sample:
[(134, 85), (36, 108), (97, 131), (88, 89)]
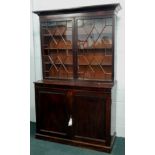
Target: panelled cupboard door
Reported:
[(89, 115), (51, 111)]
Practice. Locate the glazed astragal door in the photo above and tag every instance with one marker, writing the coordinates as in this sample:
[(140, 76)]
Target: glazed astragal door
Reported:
[(83, 50), (57, 55), (94, 48)]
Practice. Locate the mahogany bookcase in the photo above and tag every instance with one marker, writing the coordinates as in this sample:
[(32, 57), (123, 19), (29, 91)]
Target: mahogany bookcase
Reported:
[(73, 100)]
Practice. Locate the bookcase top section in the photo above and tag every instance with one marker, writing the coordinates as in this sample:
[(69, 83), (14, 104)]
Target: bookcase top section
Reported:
[(107, 7)]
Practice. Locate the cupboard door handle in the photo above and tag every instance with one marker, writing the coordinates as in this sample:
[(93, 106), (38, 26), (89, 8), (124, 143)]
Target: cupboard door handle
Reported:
[(70, 122)]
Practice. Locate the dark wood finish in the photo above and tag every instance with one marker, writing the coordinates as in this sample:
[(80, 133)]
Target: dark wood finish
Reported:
[(89, 109), (89, 85), (52, 103), (70, 108), (78, 143), (109, 7), (89, 115), (94, 63)]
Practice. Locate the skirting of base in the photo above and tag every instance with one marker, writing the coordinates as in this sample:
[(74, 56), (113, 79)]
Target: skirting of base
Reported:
[(97, 147)]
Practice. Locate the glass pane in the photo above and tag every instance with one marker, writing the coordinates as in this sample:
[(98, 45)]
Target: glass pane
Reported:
[(57, 49), (95, 49)]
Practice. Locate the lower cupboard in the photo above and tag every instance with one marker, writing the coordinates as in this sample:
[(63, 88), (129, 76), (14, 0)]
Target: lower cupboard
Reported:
[(72, 115)]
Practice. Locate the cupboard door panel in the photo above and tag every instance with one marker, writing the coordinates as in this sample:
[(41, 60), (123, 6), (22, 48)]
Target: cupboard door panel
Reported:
[(52, 112), (89, 116)]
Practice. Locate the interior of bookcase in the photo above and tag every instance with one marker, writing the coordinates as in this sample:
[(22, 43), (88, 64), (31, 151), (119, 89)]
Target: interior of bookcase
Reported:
[(94, 49)]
